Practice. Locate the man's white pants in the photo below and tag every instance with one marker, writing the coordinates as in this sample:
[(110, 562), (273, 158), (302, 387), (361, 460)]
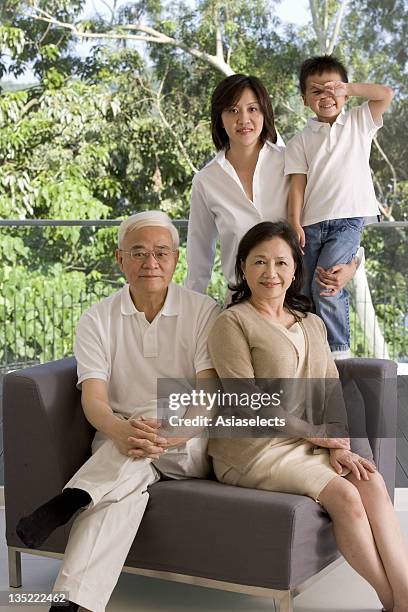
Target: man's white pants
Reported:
[(103, 533)]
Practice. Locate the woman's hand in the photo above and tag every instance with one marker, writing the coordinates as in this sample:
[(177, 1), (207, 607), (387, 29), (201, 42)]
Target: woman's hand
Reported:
[(359, 467), (300, 232), (341, 443)]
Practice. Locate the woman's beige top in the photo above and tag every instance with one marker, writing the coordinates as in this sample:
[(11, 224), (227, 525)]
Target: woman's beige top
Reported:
[(244, 344), (297, 337)]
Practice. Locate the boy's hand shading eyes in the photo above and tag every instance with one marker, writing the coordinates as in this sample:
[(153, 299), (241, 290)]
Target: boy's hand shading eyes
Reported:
[(333, 88), (336, 88)]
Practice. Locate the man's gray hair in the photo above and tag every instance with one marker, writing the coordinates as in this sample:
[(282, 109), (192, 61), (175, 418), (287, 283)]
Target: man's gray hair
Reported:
[(148, 218)]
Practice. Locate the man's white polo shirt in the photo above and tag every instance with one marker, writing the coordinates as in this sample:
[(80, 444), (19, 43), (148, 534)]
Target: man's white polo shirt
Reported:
[(220, 208), (336, 161), (115, 343)]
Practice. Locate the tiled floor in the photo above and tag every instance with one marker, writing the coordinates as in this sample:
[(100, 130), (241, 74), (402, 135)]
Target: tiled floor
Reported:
[(340, 591)]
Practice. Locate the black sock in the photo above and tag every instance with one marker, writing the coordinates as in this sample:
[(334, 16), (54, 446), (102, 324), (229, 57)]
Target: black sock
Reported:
[(34, 529), (73, 607)]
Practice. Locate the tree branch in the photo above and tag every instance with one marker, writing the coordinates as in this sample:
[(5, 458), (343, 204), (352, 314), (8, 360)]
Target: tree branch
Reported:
[(286, 105), (219, 51), (229, 53), (47, 29), (29, 105), (110, 9), (177, 139), (316, 26), (321, 24), (326, 16), (336, 29), (377, 184), (147, 35), (157, 97), (389, 164)]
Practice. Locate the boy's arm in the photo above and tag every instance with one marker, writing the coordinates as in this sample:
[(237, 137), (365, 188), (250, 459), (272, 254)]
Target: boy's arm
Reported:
[(379, 96), (295, 204)]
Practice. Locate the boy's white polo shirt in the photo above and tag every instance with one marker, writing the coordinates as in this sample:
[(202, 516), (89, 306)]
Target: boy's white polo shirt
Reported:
[(336, 161), (115, 343), (220, 208)]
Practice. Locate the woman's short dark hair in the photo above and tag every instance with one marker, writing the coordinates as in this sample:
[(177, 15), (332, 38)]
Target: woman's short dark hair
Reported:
[(226, 94), (294, 300)]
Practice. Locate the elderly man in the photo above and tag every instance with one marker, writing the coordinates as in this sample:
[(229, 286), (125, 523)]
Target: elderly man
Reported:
[(150, 329)]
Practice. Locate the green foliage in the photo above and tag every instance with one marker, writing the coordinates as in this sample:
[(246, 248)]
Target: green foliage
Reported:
[(40, 311), (41, 307), (12, 40), (217, 287), (32, 42), (386, 265)]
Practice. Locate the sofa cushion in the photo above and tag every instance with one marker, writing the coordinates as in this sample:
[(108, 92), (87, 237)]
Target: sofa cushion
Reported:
[(259, 538)]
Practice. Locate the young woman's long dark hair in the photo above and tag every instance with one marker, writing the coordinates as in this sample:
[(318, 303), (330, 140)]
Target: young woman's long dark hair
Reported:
[(294, 300)]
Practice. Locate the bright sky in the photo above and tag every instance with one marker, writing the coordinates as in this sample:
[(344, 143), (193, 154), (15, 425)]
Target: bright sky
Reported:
[(293, 11)]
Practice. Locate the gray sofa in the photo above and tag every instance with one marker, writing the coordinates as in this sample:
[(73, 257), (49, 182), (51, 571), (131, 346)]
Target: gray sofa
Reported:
[(198, 532)]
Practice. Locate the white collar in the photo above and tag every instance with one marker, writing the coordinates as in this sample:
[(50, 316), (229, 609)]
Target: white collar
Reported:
[(315, 125), (222, 160), (170, 307)]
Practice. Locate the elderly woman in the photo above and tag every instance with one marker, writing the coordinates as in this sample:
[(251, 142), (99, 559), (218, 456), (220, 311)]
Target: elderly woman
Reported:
[(243, 185), (268, 332)]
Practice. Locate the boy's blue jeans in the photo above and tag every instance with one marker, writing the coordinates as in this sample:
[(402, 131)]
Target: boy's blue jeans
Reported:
[(329, 243)]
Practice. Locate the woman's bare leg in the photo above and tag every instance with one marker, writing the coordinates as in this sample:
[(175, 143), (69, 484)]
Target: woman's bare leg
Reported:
[(387, 534), (354, 537)]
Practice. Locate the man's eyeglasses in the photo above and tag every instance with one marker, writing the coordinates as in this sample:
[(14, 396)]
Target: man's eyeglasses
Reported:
[(160, 255)]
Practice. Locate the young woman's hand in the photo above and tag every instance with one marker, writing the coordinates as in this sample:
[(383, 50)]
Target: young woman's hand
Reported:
[(300, 234), (359, 467)]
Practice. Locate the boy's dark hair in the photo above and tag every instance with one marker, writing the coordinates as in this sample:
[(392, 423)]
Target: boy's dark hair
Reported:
[(226, 94), (318, 65)]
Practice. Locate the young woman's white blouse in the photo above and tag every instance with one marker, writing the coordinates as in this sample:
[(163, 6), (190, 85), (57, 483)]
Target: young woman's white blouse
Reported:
[(220, 208)]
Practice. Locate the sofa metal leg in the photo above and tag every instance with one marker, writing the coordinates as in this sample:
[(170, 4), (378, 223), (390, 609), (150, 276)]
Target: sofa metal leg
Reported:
[(14, 564), (285, 603)]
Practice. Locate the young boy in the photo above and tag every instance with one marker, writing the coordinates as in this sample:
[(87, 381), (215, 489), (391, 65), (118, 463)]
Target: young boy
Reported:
[(331, 190)]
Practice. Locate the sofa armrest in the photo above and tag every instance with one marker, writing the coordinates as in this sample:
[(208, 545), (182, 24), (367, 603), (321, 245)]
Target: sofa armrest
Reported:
[(46, 435), (376, 381)]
